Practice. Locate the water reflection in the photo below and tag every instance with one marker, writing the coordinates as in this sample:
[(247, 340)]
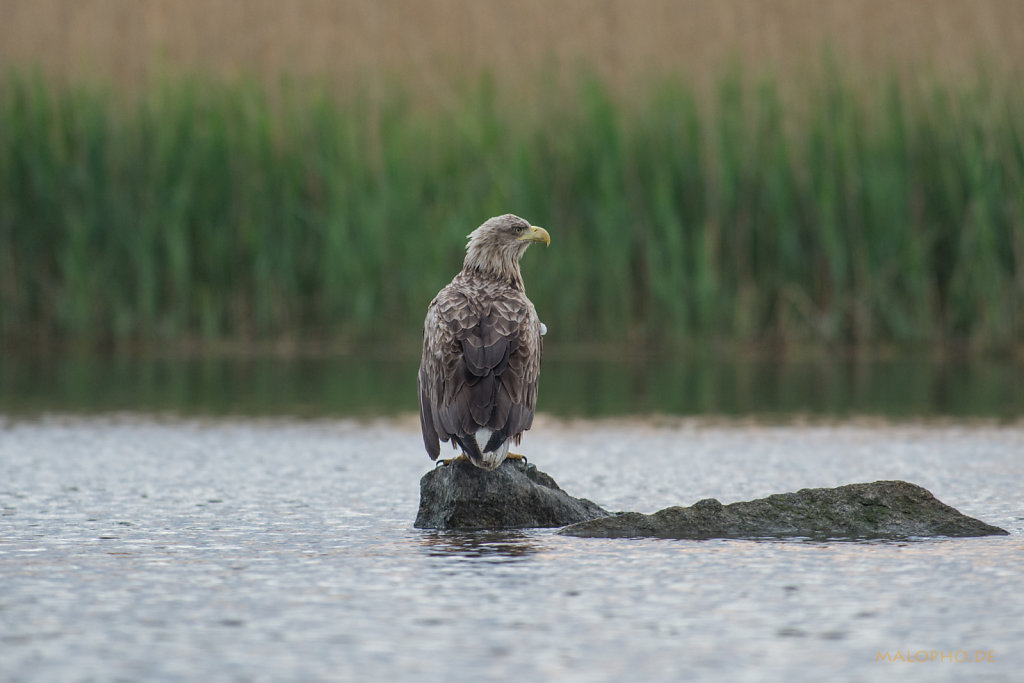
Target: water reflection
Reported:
[(371, 384), (489, 546)]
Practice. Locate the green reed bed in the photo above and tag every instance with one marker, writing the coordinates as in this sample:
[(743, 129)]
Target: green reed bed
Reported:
[(219, 212)]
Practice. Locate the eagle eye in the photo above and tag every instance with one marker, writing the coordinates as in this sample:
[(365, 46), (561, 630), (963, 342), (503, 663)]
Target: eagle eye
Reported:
[(520, 228)]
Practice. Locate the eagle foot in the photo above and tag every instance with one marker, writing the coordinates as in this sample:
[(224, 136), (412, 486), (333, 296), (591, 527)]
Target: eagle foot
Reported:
[(449, 461), (517, 456)]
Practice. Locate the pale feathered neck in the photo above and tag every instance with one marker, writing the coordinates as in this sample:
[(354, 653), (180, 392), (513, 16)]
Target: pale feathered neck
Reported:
[(497, 261)]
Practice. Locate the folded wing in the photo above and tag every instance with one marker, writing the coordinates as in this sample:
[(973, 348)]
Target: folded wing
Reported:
[(480, 365)]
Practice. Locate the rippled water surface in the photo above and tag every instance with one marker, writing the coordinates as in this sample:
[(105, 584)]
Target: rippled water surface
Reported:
[(138, 548)]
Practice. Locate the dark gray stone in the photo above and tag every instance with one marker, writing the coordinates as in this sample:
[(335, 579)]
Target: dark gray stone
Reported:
[(514, 496), (883, 509)]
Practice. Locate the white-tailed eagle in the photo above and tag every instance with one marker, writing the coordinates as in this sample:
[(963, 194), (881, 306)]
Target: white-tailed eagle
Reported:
[(482, 348)]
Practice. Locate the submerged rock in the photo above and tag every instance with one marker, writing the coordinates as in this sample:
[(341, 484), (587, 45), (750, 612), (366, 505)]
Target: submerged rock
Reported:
[(883, 509), (514, 496)]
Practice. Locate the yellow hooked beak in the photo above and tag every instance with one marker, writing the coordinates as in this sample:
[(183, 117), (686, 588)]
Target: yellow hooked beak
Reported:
[(536, 234)]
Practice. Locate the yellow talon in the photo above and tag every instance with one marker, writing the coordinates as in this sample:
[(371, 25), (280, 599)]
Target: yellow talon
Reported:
[(516, 456), (449, 461)]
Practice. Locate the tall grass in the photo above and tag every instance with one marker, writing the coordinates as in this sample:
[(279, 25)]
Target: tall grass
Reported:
[(217, 212)]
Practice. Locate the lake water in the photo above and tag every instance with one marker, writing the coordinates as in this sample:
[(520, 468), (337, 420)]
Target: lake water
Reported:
[(135, 547), (372, 384)]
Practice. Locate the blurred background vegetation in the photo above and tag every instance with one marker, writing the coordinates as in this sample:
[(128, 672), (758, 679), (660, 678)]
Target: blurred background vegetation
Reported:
[(262, 175)]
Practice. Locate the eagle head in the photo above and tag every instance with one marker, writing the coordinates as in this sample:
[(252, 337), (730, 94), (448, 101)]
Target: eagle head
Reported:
[(496, 246)]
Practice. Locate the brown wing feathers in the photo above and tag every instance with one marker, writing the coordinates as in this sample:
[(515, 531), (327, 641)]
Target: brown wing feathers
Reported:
[(477, 368)]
